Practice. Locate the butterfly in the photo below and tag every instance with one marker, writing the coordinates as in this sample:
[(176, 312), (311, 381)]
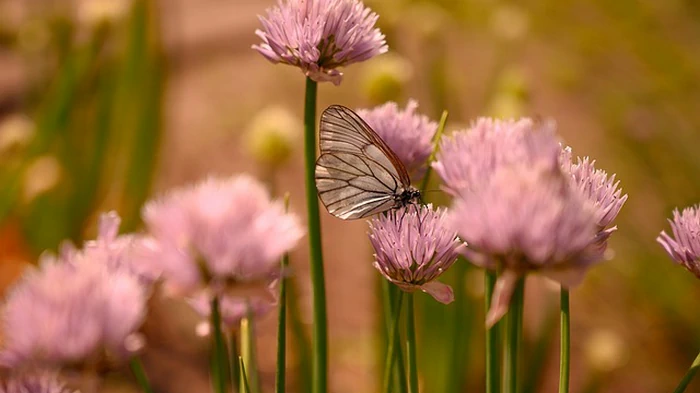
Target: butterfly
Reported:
[(357, 174)]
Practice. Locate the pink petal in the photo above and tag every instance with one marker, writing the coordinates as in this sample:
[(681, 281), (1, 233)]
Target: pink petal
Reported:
[(502, 292), (439, 291)]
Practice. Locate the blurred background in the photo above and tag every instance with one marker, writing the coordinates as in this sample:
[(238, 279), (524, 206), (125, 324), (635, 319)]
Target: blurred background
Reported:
[(104, 103)]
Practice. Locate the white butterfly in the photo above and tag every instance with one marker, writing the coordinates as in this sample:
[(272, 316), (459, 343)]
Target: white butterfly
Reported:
[(357, 174)]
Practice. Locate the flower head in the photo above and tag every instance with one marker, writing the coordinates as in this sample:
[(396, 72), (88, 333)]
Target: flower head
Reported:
[(71, 309), (603, 190), (407, 133), (684, 246), (38, 382), (219, 232), (117, 251), (527, 219), (413, 247), (468, 159), (318, 36)]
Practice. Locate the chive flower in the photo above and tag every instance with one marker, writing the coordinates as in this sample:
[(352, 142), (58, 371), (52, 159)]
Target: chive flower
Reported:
[(218, 235), (413, 246), (319, 36), (684, 244), (34, 382), (467, 159), (72, 309), (406, 132)]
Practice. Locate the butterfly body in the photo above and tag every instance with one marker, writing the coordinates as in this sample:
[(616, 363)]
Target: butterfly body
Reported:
[(357, 174)]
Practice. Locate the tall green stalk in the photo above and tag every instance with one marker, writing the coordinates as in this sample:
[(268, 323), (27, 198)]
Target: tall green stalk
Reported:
[(392, 293), (565, 344), (248, 352), (140, 374), (282, 320), (411, 345), (436, 140), (318, 285), (219, 360), (513, 339), (392, 340), (688, 375), (493, 369)]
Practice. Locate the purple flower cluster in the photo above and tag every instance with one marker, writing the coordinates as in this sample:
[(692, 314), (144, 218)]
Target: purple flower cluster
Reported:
[(221, 238), (318, 36), (219, 232), (406, 132), (71, 309), (522, 205), (41, 382), (413, 247), (684, 246)]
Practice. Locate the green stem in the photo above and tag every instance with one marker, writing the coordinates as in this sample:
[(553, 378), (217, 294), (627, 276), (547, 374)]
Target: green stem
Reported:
[(234, 372), (140, 374), (392, 293), (219, 362), (318, 285), (436, 140), (393, 338), (248, 351), (564, 355), (245, 387), (688, 375), (493, 384), (411, 346), (514, 332), (282, 321)]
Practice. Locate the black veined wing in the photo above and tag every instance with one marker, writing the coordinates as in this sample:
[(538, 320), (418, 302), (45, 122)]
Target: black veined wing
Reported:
[(357, 174)]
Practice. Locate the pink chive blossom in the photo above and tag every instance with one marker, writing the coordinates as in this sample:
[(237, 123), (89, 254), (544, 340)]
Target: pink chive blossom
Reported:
[(318, 36), (684, 246), (467, 159), (527, 219), (72, 309), (119, 251), (603, 190), (406, 132), (218, 234), (36, 382), (413, 247)]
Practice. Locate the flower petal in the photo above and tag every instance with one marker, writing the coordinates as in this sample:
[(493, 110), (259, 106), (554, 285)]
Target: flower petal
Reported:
[(439, 291)]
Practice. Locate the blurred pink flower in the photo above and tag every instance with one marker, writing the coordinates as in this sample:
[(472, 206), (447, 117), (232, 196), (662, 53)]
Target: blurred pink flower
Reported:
[(684, 246), (413, 247), (318, 36), (406, 132), (527, 219), (36, 382), (70, 309), (221, 232), (467, 159)]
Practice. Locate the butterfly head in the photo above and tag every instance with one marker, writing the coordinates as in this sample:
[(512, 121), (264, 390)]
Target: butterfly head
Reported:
[(410, 195)]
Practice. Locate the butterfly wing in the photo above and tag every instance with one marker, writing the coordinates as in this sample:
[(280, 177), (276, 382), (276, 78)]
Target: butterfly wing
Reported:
[(357, 174)]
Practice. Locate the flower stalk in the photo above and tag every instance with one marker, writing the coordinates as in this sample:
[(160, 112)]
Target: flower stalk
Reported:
[(492, 340), (565, 345), (393, 339), (411, 345), (318, 286), (689, 375), (219, 361), (513, 339), (140, 374)]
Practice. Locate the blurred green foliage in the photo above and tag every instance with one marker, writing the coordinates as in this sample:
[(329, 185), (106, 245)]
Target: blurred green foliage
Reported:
[(95, 98)]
